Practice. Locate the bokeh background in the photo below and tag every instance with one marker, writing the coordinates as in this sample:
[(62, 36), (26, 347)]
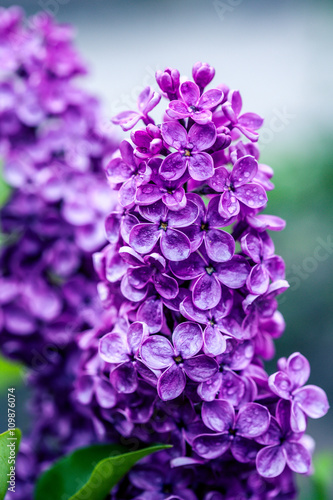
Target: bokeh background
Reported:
[(279, 54)]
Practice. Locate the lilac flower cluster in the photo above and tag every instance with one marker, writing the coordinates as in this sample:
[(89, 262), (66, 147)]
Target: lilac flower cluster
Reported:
[(196, 277), (52, 150)]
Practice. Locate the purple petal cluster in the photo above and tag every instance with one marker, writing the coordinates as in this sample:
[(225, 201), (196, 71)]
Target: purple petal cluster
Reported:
[(190, 255), (52, 151)]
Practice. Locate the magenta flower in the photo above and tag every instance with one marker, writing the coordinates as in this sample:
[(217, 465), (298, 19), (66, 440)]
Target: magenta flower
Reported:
[(231, 431), (236, 186), (168, 81), (219, 245), (203, 74), (287, 383), (148, 142), (149, 269), (147, 101), (128, 170), (210, 276), (246, 123), (193, 105), (190, 151), (282, 446), (171, 192), (120, 349), (178, 360), (268, 265), (214, 340), (163, 226)]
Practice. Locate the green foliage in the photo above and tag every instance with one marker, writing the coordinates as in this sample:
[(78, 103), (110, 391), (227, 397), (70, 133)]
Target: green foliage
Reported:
[(6, 457), (5, 190), (89, 473), (11, 374)]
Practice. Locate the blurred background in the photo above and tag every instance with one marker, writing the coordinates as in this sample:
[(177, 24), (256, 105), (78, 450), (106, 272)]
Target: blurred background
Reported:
[(279, 55)]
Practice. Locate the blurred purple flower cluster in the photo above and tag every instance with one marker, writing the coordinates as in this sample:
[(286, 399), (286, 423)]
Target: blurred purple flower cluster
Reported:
[(53, 149), (196, 278)]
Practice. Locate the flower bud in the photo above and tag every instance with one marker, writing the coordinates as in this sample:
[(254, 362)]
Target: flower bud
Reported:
[(168, 80), (202, 74)]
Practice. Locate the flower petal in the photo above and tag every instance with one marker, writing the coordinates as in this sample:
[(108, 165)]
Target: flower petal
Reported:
[(200, 166), (187, 339), (271, 461), (298, 369), (219, 179), (202, 136), (252, 420), (130, 292), (220, 245), (151, 313), (166, 286), (171, 383), (173, 166), (218, 415), (184, 217), (174, 134), (298, 457), (214, 219), (211, 446), (118, 171), (135, 335), (280, 384), (233, 273), (154, 212), (229, 205), (214, 341), (200, 368), (258, 280), (189, 311), (206, 292), (124, 378), (312, 400), (147, 194), (252, 195), (190, 93), (244, 450), (113, 348), (190, 268), (175, 245), (157, 352), (210, 99), (105, 394), (244, 170), (144, 237)]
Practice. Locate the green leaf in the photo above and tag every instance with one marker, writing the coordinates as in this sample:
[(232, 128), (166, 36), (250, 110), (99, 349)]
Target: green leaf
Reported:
[(89, 473), (7, 457), (5, 190), (322, 477)]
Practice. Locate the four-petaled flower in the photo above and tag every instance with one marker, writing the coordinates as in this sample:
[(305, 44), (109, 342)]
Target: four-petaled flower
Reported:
[(282, 446), (121, 349), (231, 431), (193, 105), (268, 265), (190, 151), (147, 101), (236, 186), (210, 275), (128, 170), (164, 225), (287, 383), (178, 360)]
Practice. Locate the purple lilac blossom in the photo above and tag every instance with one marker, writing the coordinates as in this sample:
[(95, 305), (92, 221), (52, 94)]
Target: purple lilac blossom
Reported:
[(200, 270), (53, 150)]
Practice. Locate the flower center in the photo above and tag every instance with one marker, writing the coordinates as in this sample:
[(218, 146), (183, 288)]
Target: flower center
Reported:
[(164, 226), (210, 270), (192, 108), (187, 152), (204, 226), (178, 359)]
